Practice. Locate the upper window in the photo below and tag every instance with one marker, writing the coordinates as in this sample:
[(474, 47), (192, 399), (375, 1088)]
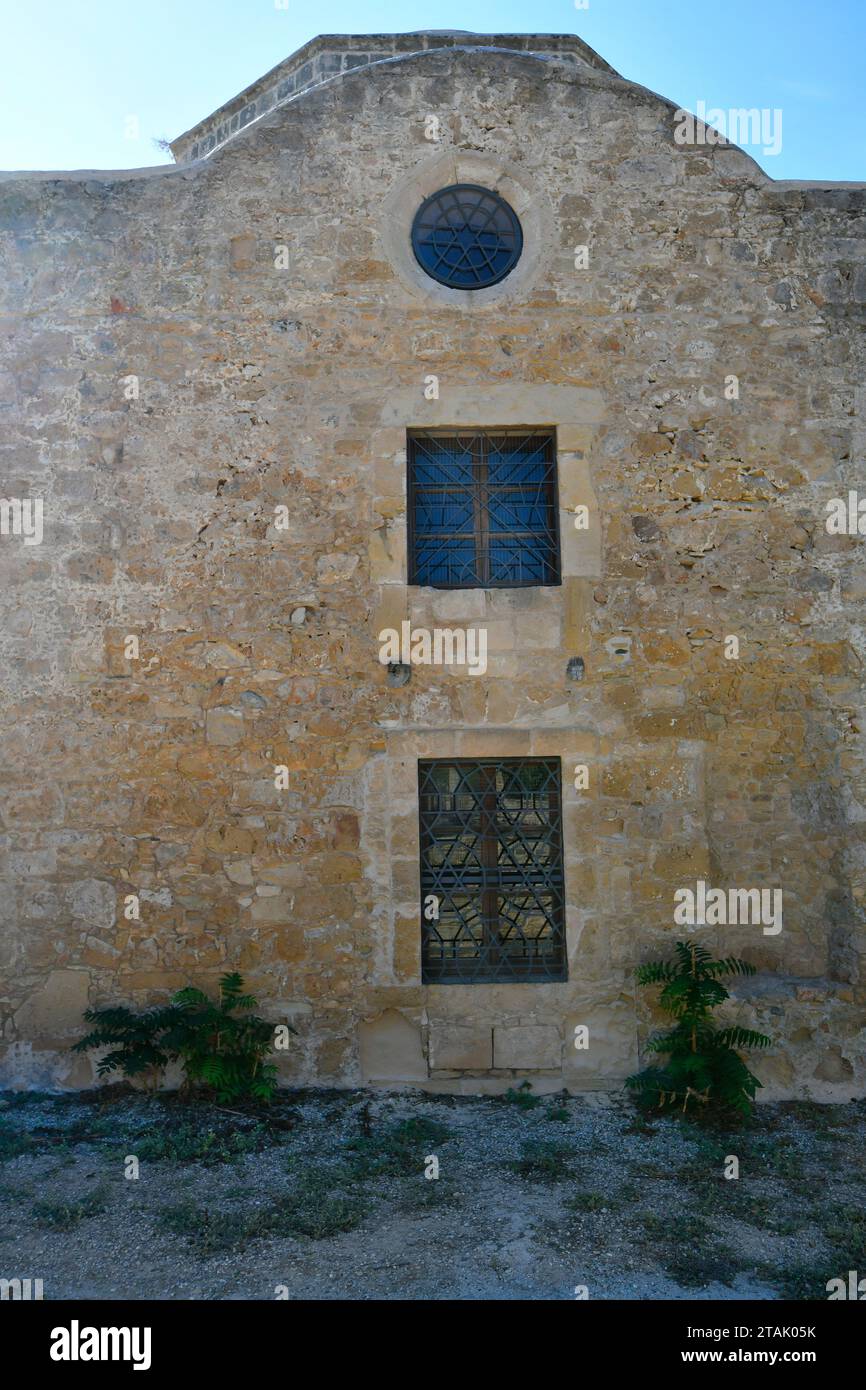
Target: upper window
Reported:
[(466, 237), (482, 508), (491, 871)]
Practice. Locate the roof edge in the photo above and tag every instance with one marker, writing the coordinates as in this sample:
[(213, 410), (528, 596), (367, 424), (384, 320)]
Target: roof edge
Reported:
[(331, 55)]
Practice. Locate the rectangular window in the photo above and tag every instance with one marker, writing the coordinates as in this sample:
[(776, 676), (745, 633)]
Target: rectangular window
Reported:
[(492, 887), (482, 507)]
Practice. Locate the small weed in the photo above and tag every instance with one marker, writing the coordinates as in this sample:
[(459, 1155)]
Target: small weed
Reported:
[(680, 1228), (312, 1210), (679, 1241), (694, 1269), (708, 1151), (430, 1195), (796, 1283), (652, 1223), (182, 1219), (65, 1216), (786, 1225), (556, 1112), (17, 1192), (776, 1157), (190, 1144), (652, 1170), (522, 1096), (811, 1115), (844, 1228), (12, 1144), (704, 1182), (542, 1161), (765, 1213), (399, 1151), (209, 1231), (587, 1201)]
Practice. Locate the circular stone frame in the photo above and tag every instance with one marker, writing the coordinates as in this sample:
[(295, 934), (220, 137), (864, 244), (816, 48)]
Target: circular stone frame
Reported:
[(511, 182), (467, 237)]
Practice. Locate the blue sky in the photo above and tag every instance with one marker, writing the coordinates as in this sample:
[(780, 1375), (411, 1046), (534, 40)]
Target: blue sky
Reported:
[(75, 71)]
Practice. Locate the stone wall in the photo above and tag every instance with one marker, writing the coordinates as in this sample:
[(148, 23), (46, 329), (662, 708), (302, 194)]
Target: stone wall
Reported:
[(261, 386)]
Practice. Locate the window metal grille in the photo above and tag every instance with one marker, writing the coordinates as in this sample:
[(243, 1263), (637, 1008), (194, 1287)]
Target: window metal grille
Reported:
[(467, 237), (482, 508), (492, 886)]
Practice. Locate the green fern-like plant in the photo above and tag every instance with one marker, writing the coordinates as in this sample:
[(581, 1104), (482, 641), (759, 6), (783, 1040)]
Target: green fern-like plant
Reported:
[(223, 1045), (704, 1067), (134, 1039)]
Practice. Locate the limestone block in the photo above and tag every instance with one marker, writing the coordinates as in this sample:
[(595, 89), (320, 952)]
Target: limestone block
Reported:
[(575, 485), (391, 609), (513, 403), (528, 1047), (93, 901), (533, 631), (387, 553), (460, 1046), (336, 568), (56, 1009), (611, 1054), (501, 636), (405, 880), (494, 743), (199, 764), (34, 863), (32, 806), (407, 948), (833, 1066), (25, 1067), (404, 837), (775, 1072), (455, 606), (224, 726), (225, 656), (277, 909), (581, 550), (240, 872), (242, 250), (390, 1049)]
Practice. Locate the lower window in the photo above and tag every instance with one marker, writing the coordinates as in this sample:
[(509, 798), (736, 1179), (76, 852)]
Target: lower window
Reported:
[(492, 886)]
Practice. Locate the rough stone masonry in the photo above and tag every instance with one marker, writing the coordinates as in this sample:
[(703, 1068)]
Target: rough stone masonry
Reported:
[(208, 373)]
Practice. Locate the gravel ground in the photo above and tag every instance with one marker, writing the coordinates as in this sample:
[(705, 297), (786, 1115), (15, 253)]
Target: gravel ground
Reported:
[(323, 1195)]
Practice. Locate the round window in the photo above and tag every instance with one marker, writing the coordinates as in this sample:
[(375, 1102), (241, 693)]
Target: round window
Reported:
[(466, 237)]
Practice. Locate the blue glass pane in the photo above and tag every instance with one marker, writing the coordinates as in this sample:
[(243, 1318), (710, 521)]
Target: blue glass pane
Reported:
[(518, 514), (446, 563), (483, 510), (526, 564), (518, 466), (434, 513)]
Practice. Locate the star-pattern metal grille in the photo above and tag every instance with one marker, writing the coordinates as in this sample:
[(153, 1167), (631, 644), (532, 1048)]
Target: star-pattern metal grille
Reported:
[(492, 886), (482, 509), (467, 237)]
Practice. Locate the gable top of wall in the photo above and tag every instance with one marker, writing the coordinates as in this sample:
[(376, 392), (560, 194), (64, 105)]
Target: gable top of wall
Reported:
[(331, 55)]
